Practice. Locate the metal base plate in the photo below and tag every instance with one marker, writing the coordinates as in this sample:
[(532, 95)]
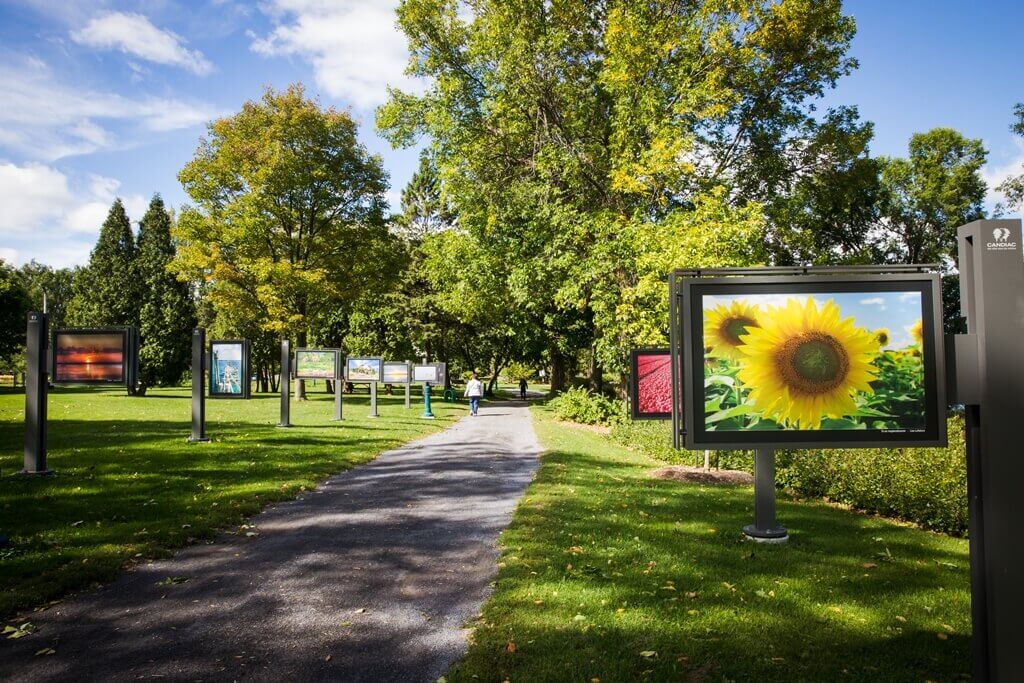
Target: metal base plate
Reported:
[(205, 439), (40, 473), (777, 535)]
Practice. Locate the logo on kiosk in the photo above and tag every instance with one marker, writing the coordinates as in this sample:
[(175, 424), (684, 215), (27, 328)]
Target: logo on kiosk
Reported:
[(1001, 240)]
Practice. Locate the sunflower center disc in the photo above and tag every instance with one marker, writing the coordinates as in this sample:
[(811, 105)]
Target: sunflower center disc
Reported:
[(733, 328), (813, 363)]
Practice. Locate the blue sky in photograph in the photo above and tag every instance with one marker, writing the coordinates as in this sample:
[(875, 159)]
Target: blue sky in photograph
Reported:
[(106, 98), (894, 311)]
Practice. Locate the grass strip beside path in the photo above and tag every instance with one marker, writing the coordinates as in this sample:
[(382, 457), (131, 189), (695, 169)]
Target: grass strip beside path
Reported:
[(129, 487), (609, 575)]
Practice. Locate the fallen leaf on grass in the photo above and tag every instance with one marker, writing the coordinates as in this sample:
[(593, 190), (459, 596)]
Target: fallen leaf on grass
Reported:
[(46, 651), (869, 565), (899, 618), (13, 632), (511, 647), (942, 636), (360, 610), (648, 654)]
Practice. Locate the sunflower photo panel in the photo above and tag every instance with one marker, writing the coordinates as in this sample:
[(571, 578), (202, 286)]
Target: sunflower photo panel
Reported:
[(810, 358)]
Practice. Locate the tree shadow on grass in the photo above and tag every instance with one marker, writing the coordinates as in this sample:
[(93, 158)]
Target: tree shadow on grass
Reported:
[(603, 563)]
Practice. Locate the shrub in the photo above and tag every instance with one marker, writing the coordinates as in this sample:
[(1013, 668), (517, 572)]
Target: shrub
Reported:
[(579, 404), (927, 486)]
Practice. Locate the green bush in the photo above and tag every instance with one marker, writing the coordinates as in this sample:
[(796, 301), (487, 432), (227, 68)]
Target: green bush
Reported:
[(927, 486), (579, 404)]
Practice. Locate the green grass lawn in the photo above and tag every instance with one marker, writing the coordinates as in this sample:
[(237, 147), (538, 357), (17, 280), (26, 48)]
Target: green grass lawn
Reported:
[(607, 574), (129, 486)]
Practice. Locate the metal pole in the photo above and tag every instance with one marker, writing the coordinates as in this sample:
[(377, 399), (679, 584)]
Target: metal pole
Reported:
[(36, 334), (765, 529), (337, 399), (426, 402), (286, 373), (373, 399), (198, 387), (408, 386)]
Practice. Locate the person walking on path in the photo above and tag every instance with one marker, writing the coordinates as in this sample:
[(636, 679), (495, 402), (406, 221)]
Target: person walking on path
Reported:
[(522, 388), (474, 390)]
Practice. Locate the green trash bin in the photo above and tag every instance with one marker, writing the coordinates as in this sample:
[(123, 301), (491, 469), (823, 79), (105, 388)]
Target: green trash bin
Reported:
[(450, 395)]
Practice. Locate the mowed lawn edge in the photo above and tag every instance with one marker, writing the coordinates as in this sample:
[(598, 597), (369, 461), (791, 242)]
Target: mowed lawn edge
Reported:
[(607, 574), (130, 489)]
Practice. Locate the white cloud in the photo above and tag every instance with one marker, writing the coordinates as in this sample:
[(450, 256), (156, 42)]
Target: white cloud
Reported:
[(995, 174), (135, 35), (874, 301), (52, 218), (45, 119), (354, 46)]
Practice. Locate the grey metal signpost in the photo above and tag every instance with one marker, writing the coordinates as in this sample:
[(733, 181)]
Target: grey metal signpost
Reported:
[(989, 381), (338, 385), (408, 386), (286, 372), (37, 333), (373, 400), (765, 528), (198, 387)]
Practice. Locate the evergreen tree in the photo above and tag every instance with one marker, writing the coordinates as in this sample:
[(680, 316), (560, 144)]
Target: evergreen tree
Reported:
[(106, 291), (167, 311)]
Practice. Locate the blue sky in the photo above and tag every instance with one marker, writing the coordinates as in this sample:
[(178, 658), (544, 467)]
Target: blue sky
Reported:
[(894, 311), (108, 98)]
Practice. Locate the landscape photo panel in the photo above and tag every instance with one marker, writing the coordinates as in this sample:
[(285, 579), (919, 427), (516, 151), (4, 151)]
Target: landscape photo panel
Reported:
[(89, 357)]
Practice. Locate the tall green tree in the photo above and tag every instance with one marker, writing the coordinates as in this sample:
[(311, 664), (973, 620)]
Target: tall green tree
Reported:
[(1013, 187), (288, 212), (14, 308), (560, 127), (167, 313), (56, 285), (107, 290), (926, 196)]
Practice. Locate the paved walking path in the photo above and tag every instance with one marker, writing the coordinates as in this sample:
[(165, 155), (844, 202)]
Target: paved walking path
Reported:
[(369, 578)]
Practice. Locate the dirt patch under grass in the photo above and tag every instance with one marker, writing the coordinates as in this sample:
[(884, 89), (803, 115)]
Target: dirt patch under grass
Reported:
[(597, 429), (699, 475)]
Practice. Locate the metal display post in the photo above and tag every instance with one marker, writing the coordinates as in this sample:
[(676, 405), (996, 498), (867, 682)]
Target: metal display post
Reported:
[(198, 387), (427, 414), (408, 386), (765, 528), (989, 380), (373, 399), (37, 332), (338, 385), (286, 406)]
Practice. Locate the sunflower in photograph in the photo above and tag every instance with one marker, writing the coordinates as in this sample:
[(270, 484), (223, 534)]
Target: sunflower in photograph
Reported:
[(883, 336), (917, 332), (805, 363), (725, 328)]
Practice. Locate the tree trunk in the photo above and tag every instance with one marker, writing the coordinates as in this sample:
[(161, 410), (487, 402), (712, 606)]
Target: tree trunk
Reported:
[(300, 385), (558, 379), (499, 365), (596, 372)]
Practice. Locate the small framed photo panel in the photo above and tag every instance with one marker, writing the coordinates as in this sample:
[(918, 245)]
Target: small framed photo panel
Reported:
[(229, 368), (363, 369), (316, 363), (650, 384), (91, 356), (429, 374), (396, 373), (830, 361)]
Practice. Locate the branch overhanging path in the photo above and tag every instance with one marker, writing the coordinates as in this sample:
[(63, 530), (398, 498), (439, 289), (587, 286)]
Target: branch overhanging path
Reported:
[(370, 577)]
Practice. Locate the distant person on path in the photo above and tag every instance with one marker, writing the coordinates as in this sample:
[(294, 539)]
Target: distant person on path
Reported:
[(474, 390), (522, 388)]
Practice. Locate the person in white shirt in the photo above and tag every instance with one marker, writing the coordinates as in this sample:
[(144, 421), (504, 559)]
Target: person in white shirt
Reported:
[(474, 390)]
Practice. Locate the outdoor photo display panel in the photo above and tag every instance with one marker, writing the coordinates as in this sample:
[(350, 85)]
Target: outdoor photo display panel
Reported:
[(363, 369), (90, 356), (229, 369), (316, 363), (425, 373), (650, 384), (802, 361), (396, 373)]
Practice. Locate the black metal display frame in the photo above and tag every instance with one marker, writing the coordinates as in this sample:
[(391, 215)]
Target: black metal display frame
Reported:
[(298, 365), (690, 288), (246, 378), (129, 355), (634, 383)]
